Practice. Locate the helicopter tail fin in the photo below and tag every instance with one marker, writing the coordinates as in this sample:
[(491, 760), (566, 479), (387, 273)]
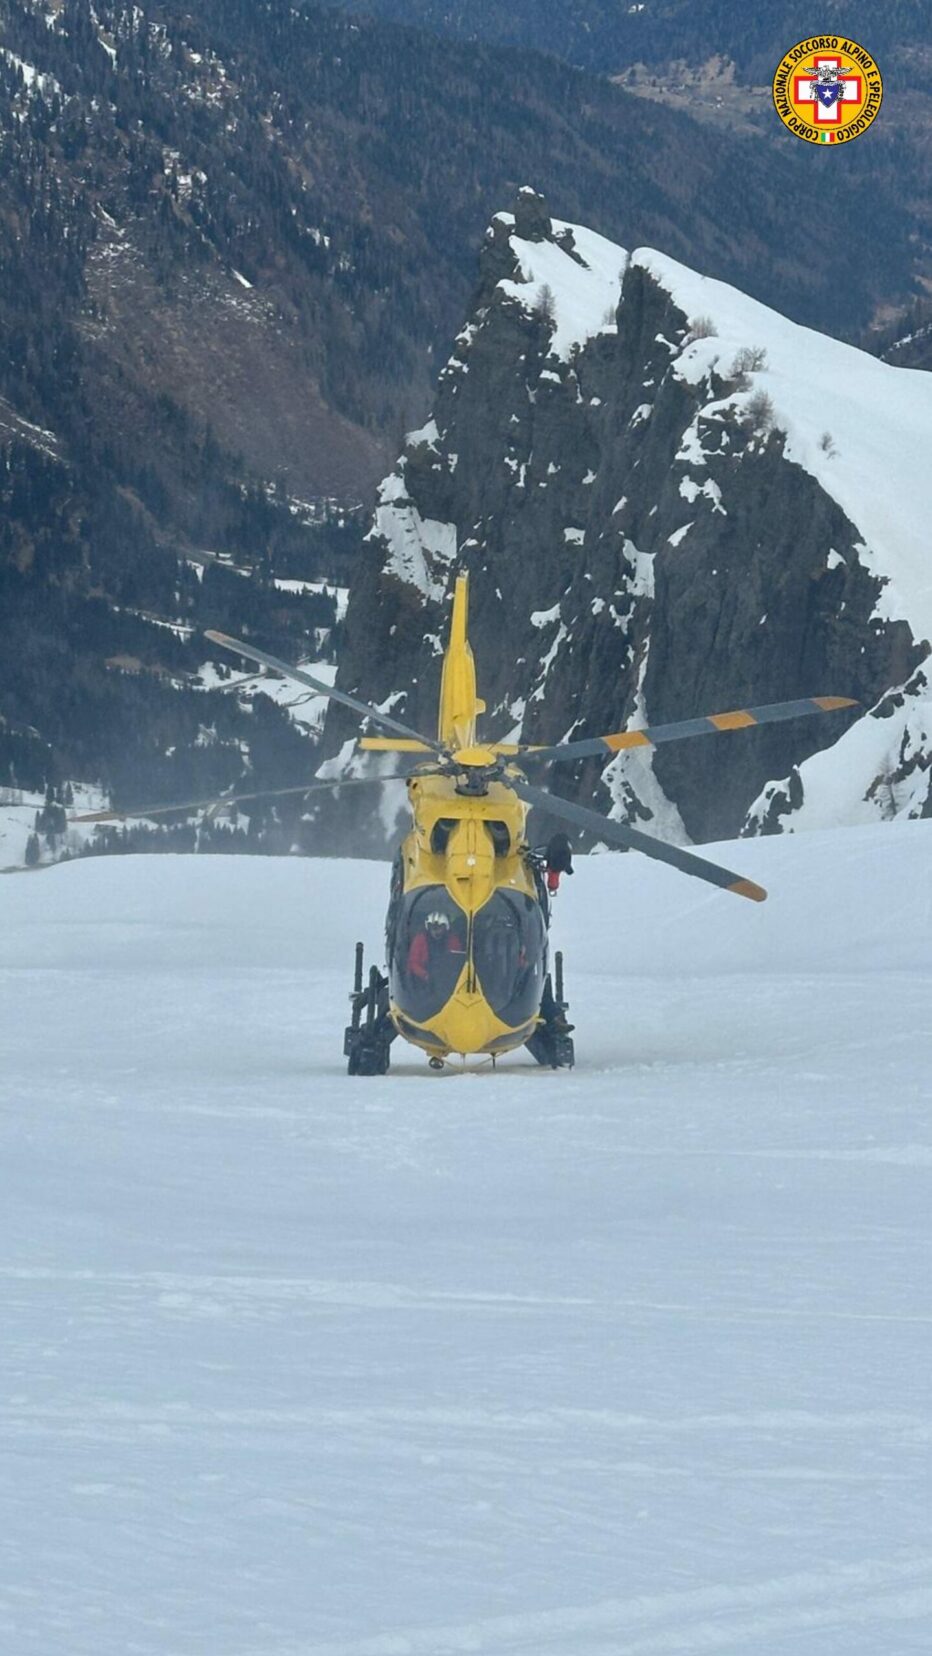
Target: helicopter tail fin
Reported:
[(459, 704)]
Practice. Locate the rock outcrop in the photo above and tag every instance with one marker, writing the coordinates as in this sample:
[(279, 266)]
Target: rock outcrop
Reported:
[(663, 493)]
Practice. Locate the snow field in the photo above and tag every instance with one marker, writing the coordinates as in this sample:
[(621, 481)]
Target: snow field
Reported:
[(618, 1363)]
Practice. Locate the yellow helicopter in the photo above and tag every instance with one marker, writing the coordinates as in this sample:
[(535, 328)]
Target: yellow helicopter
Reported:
[(469, 911)]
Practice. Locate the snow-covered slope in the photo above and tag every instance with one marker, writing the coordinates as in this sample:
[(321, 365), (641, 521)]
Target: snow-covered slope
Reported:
[(18, 812), (305, 708), (879, 772), (672, 501), (859, 426), (577, 275), (627, 1362), (864, 431)]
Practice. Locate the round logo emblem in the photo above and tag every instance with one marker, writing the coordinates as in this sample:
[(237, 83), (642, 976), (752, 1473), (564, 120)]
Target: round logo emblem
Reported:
[(827, 90)]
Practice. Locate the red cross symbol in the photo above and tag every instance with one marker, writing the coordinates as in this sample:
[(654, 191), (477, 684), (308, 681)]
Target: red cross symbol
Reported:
[(804, 90)]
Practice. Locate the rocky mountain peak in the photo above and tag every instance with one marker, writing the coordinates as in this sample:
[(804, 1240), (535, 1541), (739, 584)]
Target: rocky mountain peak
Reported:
[(531, 218), (663, 517)]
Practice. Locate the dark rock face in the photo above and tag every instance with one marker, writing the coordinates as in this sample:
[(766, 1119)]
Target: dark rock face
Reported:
[(640, 550), (532, 220)]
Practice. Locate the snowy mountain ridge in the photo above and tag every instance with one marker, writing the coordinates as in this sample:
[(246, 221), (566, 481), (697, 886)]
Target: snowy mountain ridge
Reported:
[(621, 446), (856, 424)]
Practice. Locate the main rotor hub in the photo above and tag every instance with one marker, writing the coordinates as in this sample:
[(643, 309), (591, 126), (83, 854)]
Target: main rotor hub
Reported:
[(480, 757), (473, 769)]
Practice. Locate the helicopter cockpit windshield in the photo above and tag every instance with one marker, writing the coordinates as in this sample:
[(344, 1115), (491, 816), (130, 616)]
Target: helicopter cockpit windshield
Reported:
[(430, 940), (427, 947), (509, 951)]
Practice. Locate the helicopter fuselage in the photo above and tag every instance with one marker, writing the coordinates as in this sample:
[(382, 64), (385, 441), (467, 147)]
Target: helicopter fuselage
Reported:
[(478, 988)]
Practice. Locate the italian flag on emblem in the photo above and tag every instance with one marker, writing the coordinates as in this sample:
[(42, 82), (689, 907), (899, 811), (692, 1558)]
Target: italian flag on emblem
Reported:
[(826, 137)]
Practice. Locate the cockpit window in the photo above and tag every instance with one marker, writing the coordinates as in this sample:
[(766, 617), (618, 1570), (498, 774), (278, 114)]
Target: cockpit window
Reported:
[(509, 949), (427, 951)]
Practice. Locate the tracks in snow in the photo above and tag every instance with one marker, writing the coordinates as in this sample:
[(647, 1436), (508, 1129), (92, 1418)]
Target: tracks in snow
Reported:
[(706, 1619)]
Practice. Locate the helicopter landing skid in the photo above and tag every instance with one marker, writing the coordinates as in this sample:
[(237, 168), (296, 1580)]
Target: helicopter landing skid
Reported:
[(551, 1043), (368, 1037)]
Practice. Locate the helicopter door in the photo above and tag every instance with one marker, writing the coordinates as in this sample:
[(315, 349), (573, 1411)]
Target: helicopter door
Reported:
[(509, 951), (426, 960)]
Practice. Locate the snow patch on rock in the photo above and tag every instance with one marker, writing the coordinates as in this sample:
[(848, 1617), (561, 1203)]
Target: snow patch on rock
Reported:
[(582, 294), (420, 550)]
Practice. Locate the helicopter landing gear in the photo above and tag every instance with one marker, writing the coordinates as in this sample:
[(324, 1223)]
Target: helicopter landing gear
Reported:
[(436, 1064), (368, 1037), (551, 1042)]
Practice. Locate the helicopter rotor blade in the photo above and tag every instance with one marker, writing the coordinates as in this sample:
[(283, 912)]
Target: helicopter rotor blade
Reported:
[(220, 800), (301, 677), (740, 719), (631, 839)]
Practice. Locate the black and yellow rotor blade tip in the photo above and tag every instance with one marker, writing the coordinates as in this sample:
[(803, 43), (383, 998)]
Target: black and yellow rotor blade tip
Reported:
[(742, 718), (624, 838)]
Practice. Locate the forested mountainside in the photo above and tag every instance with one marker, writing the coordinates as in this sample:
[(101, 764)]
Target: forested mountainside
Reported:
[(606, 36), (663, 517), (234, 238), (715, 60)]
